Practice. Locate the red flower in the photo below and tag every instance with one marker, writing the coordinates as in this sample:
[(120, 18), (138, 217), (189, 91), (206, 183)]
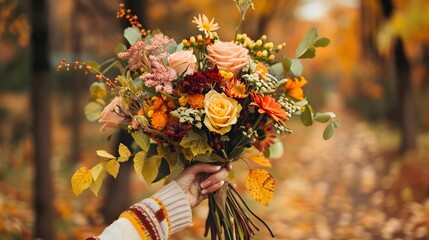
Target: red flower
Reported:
[(268, 105), (200, 82), (176, 129), (265, 139)]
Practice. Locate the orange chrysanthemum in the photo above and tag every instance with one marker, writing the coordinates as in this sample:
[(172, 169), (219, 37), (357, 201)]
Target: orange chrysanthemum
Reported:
[(294, 88), (159, 120), (235, 89), (268, 105), (196, 101), (158, 104)]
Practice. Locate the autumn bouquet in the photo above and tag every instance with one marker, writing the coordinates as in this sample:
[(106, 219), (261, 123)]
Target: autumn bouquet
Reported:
[(203, 100)]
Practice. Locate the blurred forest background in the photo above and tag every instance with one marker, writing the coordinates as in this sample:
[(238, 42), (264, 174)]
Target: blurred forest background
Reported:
[(370, 181)]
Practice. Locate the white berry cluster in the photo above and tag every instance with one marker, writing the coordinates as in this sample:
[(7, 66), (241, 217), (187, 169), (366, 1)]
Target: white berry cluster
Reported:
[(189, 115), (290, 106), (251, 134), (267, 84), (280, 129)]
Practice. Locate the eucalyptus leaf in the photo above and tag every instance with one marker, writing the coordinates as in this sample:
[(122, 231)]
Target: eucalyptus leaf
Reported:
[(286, 63), (309, 53), (322, 117), (307, 42), (296, 67), (329, 131), (277, 69), (132, 34), (336, 123), (307, 115), (322, 42)]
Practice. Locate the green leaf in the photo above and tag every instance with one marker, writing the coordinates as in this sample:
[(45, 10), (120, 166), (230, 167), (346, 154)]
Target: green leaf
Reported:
[(286, 63), (307, 115), (322, 42), (177, 169), (120, 48), (329, 131), (132, 35), (277, 69), (336, 123), (322, 117), (307, 42), (139, 162), (93, 110), (151, 168), (310, 53), (196, 141), (164, 170), (142, 140), (296, 67)]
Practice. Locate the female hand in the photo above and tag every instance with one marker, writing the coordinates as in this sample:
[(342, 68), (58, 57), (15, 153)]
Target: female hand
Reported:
[(198, 180)]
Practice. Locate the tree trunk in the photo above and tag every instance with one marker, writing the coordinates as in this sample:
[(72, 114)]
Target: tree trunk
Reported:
[(118, 196), (78, 84), (406, 107), (41, 112)]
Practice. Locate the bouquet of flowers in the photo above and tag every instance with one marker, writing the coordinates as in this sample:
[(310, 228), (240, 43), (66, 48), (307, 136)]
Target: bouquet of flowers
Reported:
[(203, 100)]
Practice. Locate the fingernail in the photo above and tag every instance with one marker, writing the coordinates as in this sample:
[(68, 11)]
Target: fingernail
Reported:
[(205, 183), (218, 167), (204, 191)]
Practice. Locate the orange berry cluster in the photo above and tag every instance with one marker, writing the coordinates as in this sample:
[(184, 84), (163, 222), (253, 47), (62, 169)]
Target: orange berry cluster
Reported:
[(132, 19), (76, 65)]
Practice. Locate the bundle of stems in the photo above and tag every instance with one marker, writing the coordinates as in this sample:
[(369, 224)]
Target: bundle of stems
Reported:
[(229, 216)]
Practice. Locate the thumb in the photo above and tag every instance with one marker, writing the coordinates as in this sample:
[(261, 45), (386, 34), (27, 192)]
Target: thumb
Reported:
[(203, 168)]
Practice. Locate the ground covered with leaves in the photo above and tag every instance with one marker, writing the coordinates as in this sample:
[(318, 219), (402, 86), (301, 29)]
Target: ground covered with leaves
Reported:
[(354, 186)]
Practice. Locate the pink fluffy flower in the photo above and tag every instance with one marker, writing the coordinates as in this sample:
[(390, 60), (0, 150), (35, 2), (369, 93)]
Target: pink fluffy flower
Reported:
[(135, 55), (160, 77)]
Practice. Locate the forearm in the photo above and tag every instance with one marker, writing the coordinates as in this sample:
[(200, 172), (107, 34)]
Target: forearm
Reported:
[(166, 212)]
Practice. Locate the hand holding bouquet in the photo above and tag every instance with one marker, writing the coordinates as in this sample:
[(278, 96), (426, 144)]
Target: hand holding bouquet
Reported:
[(203, 100)]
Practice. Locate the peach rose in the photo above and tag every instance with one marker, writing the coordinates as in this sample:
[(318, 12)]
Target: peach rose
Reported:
[(114, 114), (228, 56), (183, 60), (221, 112)]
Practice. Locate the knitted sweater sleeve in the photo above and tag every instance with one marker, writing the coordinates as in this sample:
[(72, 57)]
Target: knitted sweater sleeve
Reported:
[(157, 217)]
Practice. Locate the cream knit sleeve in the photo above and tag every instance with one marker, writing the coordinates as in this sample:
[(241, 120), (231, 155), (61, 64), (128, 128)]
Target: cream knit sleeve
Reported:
[(157, 217)]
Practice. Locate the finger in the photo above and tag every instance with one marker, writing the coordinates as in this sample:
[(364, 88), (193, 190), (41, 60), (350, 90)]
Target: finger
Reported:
[(202, 168), (213, 188), (229, 167), (215, 178)]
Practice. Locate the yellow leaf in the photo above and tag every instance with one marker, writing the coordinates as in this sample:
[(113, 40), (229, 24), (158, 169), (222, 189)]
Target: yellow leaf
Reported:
[(81, 180), (260, 159), (96, 170), (112, 167), (96, 184), (124, 151), (105, 154), (260, 185), (139, 162), (151, 168)]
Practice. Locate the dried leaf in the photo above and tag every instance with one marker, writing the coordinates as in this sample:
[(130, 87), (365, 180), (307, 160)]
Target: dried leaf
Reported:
[(96, 185), (151, 168), (142, 140), (96, 170), (81, 180), (139, 162), (112, 167), (260, 159), (105, 154), (124, 153), (260, 185)]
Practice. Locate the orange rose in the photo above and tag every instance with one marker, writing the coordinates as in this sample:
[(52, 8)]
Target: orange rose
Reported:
[(221, 112), (228, 56)]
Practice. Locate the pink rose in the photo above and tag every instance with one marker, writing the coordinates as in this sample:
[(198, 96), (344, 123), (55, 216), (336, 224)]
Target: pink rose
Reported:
[(183, 60), (228, 56), (114, 114)]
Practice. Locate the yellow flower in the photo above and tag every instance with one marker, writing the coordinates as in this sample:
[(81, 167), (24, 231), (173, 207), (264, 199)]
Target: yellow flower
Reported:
[(221, 112), (204, 25), (159, 120), (262, 70), (183, 100), (226, 76), (294, 88)]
